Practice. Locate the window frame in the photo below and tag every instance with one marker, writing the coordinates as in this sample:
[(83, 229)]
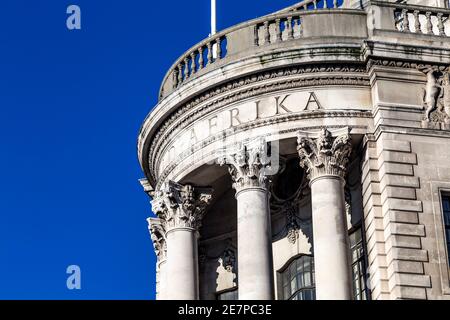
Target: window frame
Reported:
[(360, 227), (286, 266), (438, 188)]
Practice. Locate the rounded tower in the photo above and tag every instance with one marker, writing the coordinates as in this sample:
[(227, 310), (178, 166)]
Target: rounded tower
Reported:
[(304, 155)]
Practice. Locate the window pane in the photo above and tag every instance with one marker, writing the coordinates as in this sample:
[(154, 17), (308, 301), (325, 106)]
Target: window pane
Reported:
[(298, 279), (358, 264)]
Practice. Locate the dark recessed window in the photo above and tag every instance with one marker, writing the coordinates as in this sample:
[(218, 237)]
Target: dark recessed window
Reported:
[(446, 211), (359, 266), (297, 280)]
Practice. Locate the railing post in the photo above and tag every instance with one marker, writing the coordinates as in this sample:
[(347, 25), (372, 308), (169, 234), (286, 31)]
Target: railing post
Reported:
[(193, 64), (210, 55), (219, 48), (200, 58), (180, 73), (266, 32), (429, 25), (174, 78), (256, 35), (441, 24), (186, 68), (417, 22), (290, 28), (278, 29)]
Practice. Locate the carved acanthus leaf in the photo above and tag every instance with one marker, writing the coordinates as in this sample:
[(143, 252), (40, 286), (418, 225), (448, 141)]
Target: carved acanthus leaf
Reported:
[(324, 154), (248, 165), (158, 236), (181, 205)]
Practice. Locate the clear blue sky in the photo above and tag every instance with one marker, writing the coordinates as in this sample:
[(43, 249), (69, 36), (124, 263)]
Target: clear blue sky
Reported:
[(71, 104)]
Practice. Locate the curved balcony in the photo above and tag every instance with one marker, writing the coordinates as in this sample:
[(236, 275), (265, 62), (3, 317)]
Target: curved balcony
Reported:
[(312, 32), (273, 29)]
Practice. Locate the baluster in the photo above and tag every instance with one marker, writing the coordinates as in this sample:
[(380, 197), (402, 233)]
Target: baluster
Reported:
[(300, 28), (200, 58), (429, 25), (193, 64), (210, 56), (175, 78), (290, 28), (305, 7), (180, 73), (335, 4), (256, 35), (441, 24), (405, 20), (315, 4), (278, 29), (219, 48), (325, 4), (266, 32), (417, 21), (186, 68)]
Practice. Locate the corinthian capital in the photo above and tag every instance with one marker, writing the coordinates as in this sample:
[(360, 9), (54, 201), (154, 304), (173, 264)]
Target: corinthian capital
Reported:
[(248, 165), (158, 236), (324, 154), (181, 206)]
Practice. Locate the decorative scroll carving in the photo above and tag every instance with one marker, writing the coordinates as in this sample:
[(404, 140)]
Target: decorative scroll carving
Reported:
[(158, 236), (289, 208), (324, 154), (181, 205), (248, 165)]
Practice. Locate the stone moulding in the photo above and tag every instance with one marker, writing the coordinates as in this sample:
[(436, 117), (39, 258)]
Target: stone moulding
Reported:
[(201, 144), (328, 75), (350, 74)]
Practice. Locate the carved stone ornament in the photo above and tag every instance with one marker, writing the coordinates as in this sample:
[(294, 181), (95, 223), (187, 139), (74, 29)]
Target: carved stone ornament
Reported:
[(324, 154), (289, 208), (248, 165), (158, 236), (229, 260), (181, 205), (436, 99)]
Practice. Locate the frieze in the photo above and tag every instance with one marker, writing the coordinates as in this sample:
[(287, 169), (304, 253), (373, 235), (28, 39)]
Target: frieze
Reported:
[(176, 163), (356, 77)]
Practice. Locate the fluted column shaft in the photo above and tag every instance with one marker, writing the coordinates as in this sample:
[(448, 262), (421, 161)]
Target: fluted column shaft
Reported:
[(325, 158), (181, 208), (255, 262)]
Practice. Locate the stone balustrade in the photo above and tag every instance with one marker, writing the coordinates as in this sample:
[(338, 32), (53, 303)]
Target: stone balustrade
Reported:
[(308, 19), (282, 26), (430, 21)]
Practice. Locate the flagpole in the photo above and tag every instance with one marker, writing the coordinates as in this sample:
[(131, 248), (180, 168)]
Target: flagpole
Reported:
[(213, 18), (213, 26)]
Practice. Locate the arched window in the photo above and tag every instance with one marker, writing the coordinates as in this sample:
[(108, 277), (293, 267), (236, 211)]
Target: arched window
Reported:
[(297, 280)]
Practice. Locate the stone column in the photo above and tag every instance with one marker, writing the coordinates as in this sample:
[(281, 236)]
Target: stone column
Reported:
[(325, 157), (255, 265), (182, 209), (158, 236)]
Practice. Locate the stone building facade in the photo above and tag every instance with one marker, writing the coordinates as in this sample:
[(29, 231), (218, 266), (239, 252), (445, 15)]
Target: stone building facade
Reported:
[(306, 155)]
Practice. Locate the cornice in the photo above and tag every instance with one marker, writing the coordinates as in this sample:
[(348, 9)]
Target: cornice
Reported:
[(252, 86), (348, 74)]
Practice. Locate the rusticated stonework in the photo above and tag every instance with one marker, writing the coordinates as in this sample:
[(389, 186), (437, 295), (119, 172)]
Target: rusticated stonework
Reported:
[(324, 155), (248, 165), (181, 206)]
